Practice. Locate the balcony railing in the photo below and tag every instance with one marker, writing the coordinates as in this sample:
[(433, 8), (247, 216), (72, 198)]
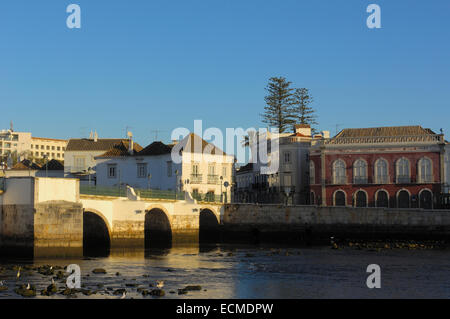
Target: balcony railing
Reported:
[(403, 179), (213, 179), (360, 180), (426, 179), (208, 197), (338, 180), (196, 179), (382, 179), (122, 192)]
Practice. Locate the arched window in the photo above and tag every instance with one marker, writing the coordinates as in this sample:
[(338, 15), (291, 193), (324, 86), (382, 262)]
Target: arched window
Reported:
[(382, 198), (360, 199), (425, 171), (426, 199), (360, 172), (403, 199), (381, 171), (403, 175), (339, 176), (339, 198), (312, 173)]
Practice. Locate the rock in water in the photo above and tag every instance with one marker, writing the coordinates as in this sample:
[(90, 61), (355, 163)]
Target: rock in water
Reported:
[(99, 271), (191, 288), (157, 292)]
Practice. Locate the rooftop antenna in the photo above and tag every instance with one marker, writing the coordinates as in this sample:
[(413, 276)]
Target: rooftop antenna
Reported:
[(156, 133)]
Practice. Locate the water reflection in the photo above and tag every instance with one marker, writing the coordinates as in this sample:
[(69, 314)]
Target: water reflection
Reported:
[(238, 271)]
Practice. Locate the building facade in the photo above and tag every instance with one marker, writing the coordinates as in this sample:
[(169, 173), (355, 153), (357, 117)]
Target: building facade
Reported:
[(378, 167), (206, 171), (21, 145), (12, 142), (79, 159), (290, 183), (50, 148)]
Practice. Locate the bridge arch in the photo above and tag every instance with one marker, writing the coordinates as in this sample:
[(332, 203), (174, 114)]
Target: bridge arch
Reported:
[(96, 233), (209, 222), (157, 227)]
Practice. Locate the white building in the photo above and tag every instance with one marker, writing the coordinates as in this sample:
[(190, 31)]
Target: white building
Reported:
[(291, 182), (192, 165), (23, 146), (50, 148), (79, 159), (12, 142)]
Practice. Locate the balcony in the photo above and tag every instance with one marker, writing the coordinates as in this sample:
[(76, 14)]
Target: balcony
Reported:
[(196, 179), (426, 179), (403, 179), (360, 180), (213, 179), (382, 179)]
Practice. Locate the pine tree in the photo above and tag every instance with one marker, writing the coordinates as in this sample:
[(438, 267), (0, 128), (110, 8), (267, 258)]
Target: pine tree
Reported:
[(279, 110), (304, 113)]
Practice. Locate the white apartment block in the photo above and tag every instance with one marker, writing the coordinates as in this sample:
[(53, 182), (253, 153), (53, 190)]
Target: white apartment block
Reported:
[(25, 146), (14, 142), (49, 147)]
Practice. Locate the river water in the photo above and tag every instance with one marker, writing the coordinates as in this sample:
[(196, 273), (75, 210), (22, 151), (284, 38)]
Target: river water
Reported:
[(248, 272)]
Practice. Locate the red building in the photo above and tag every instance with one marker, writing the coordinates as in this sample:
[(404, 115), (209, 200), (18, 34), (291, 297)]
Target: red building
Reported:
[(378, 167)]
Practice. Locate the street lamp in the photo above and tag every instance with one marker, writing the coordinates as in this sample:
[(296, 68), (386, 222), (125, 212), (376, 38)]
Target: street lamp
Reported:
[(226, 184), (221, 193), (287, 191)]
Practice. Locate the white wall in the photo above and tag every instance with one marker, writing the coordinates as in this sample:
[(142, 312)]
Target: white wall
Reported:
[(127, 169), (19, 191), (69, 159), (48, 189)]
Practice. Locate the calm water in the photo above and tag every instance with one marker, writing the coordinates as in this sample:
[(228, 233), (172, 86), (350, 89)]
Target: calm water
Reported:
[(252, 272)]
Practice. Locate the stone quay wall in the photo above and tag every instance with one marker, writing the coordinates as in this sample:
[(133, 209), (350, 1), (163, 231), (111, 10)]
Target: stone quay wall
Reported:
[(320, 223)]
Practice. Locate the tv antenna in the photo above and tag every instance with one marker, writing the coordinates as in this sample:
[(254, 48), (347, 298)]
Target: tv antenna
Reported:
[(156, 133)]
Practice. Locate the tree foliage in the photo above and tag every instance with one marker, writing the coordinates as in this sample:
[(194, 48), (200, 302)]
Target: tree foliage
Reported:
[(279, 110), (304, 113)]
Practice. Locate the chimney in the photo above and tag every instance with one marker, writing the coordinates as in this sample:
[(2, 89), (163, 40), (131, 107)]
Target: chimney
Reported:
[(130, 143), (95, 136), (304, 129)]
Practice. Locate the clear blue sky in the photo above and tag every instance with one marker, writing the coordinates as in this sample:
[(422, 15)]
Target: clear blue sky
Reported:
[(161, 64)]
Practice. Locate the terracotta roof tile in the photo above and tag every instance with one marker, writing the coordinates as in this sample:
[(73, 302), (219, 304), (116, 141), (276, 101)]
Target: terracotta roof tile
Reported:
[(84, 144), (155, 148), (52, 165), (121, 149), (25, 164), (384, 131)]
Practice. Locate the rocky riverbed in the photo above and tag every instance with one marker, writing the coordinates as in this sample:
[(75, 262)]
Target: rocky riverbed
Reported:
[(408, 270)]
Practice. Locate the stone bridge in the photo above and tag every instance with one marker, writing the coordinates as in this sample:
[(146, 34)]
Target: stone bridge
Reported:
[(134, 222), (49, 217)]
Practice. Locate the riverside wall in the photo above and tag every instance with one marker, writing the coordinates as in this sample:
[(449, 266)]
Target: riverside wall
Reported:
[(315, 223), (41, 217)]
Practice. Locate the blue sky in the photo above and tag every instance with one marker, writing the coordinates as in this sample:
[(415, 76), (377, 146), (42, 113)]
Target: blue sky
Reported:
[(161, 64)]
